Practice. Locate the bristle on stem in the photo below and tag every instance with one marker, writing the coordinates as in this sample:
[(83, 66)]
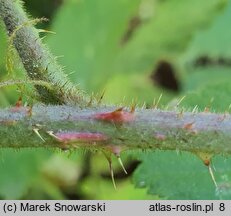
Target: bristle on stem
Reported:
[(112, 173), (121, 164), (212, 175)]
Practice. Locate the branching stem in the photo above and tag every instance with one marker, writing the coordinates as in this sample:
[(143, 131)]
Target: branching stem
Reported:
[(104, 128), (38, 62)]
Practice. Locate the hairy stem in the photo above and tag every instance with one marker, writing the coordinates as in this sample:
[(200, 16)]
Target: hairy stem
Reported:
[(149, 129), (38, 62), (99, 128)]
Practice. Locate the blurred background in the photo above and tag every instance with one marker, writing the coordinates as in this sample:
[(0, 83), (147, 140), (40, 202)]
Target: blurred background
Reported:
[(148, 52)]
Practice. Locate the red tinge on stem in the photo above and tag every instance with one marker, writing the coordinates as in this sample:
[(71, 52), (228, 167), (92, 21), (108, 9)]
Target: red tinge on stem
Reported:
[(189, 126), (20, 108), (159, 136), (80, 136), (117, 116), (116, 151)]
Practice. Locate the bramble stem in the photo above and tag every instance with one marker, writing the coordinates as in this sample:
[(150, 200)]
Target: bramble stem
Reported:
[(150, 129), (38, 62)]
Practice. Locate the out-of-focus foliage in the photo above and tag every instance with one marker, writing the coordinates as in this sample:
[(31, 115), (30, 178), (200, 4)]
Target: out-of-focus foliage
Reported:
[(19, 171), (166, 32), (207, 59), (2, 62), (99, 58), (89, 34), (206, 86), (116, 46)]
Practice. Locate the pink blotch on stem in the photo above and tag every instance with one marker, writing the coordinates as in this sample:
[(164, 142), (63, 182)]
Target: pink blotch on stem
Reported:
[(20, 108), (117, 116), (81, 136), (160, 136), (115, 150)]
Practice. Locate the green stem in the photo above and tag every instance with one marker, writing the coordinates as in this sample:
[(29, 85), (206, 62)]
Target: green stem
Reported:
[(38, 62), (150, 129)]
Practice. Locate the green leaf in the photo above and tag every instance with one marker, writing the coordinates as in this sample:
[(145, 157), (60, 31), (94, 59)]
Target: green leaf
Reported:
[(3, 46), (105, 190), (167, 32), (92, 44), (3, 100), (136, 88), (203, 76), (213, 96), (88, 35), (213, 42), (207, 85), (19, 170), (7, 94), (183, 176)]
